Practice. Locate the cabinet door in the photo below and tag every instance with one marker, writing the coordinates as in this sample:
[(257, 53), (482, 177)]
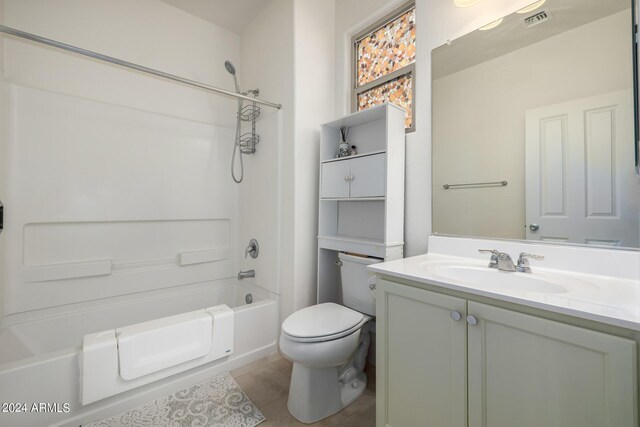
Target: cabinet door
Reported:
[(335, 179), (368, 176), (420, 358), (530, 372)]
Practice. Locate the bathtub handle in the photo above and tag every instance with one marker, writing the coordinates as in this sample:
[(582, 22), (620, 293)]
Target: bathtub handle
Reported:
[(253, 249)]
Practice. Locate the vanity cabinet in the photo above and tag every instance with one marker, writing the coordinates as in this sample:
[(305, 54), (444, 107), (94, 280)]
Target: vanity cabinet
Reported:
[(421, 360), (449, 361)]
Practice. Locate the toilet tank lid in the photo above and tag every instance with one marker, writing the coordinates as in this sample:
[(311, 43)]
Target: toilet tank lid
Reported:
[(321, 320)]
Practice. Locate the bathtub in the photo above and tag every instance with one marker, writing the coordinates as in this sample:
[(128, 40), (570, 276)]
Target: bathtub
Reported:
[(40, 356)]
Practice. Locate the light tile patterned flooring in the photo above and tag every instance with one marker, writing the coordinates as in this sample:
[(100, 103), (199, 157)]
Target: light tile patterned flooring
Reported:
[(266, 383)]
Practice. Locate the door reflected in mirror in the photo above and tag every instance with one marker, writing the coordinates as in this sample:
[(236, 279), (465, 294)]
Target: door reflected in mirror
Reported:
[(534, 127)]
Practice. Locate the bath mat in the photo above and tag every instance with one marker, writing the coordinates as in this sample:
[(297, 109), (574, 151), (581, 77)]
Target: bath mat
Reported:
[(217, 402)]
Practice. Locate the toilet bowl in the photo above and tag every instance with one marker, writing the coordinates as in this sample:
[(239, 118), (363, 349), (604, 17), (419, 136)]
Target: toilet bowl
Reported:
[(328, 345)]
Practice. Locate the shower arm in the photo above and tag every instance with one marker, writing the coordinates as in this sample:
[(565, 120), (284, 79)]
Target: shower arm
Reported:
[(43, 40)]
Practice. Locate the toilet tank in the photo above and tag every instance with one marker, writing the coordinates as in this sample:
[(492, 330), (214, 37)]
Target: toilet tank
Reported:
[(356, 293)]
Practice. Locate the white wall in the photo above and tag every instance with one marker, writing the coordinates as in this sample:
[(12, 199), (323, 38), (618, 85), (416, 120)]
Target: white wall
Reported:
[(436, 22), (109, 164), (288, 53), (314, 65), (267, 64), (267, 55), (492, 99)]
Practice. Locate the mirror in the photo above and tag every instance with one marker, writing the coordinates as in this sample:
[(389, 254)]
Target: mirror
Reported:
[(534, 127)]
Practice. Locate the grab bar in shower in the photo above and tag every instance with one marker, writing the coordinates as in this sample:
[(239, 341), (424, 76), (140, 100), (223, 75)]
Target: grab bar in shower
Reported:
[(43, 40), (476, 185)]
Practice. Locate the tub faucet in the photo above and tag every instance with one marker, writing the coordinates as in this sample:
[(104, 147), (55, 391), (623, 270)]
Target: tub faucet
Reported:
[(248, 273)]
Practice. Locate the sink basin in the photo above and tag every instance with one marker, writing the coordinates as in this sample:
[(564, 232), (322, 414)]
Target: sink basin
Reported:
[(490, 278)]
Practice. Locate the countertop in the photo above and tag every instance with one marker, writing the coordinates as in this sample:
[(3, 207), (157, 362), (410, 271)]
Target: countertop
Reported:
[(608, 300)]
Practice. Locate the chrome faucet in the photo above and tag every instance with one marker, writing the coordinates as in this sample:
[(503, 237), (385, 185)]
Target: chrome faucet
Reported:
[(493, 262), (523, 262), (500, 260), (503, 262), (245, 274)]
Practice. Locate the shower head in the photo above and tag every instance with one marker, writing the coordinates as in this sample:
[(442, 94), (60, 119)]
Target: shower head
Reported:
[(232, 70)]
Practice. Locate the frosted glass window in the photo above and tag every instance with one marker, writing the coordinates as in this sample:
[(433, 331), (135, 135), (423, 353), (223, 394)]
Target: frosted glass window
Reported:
[(384, 63), (398, 91), (387, 49)]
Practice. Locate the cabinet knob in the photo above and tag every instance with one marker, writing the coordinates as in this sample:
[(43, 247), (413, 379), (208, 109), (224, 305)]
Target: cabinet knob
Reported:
[(351, 178), (472, 320), (455, 315), (346, 177)]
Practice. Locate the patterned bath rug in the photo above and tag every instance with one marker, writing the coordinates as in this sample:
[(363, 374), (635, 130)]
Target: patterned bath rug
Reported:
[(217, 402)]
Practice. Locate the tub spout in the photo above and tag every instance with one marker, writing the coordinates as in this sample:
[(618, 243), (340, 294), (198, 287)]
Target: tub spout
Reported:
[(248, 273)]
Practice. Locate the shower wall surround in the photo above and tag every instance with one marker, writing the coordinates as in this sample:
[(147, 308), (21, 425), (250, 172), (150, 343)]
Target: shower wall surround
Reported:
[(115, 180)]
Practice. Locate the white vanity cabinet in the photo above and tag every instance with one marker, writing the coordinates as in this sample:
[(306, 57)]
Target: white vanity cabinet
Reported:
[(495, 367), (421, 360)]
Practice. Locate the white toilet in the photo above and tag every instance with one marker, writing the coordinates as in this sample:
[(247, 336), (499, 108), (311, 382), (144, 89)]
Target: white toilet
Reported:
[(328, 344)]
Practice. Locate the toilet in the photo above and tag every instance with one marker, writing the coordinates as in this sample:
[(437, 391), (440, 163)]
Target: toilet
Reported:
[(328, 344)]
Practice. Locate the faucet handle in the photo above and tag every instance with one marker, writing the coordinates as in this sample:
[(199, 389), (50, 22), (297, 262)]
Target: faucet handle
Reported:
[(488, 251), (253, 249), (523, 261), (493, 262), (525, 255)]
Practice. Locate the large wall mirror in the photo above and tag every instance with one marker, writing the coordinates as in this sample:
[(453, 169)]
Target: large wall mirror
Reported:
[(534, 132)]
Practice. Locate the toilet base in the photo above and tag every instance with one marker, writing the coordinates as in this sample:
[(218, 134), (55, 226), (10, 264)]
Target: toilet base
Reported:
[(318, 393)]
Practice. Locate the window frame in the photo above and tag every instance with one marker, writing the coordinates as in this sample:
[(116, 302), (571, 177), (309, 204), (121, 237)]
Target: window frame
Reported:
[(407, 69)]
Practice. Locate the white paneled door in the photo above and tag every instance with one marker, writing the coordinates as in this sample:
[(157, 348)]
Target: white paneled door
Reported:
[(580, 180)]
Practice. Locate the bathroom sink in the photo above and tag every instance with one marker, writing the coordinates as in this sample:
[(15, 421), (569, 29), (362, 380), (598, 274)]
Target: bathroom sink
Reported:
[(491, 278)]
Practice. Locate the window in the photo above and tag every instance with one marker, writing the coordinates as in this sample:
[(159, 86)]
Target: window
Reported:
[(384, 63)]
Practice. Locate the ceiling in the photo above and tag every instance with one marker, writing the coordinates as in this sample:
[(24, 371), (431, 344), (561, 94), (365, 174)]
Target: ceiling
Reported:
[(233, 15), (480, 46)]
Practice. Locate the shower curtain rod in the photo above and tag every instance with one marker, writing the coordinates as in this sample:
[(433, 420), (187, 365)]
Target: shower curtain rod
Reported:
[(126, 64)]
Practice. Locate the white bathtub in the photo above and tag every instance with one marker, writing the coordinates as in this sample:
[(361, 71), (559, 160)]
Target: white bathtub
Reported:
[(39, 358)]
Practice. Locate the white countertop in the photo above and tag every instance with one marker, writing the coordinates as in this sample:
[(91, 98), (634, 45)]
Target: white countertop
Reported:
[(605, 299)]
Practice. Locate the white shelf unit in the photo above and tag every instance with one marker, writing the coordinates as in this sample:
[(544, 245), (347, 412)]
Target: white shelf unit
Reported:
[(361, 208)]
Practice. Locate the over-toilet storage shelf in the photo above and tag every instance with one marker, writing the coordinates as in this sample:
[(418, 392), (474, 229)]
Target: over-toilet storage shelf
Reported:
[(361, 206)]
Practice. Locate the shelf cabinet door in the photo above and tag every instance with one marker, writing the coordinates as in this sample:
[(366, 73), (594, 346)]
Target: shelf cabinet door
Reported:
[(530, 372), (335, 179), (368, 176), (420, 358)]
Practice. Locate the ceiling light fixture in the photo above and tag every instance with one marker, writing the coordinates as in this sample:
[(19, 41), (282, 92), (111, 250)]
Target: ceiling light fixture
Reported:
[(465, 3), (531, 7), (491, 25)]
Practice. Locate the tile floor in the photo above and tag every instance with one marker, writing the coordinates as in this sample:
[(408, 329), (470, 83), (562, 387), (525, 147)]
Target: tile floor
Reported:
[(266, 383)]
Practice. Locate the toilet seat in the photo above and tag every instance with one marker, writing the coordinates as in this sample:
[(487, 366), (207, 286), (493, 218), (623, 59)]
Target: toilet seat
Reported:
[(322, 322)]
